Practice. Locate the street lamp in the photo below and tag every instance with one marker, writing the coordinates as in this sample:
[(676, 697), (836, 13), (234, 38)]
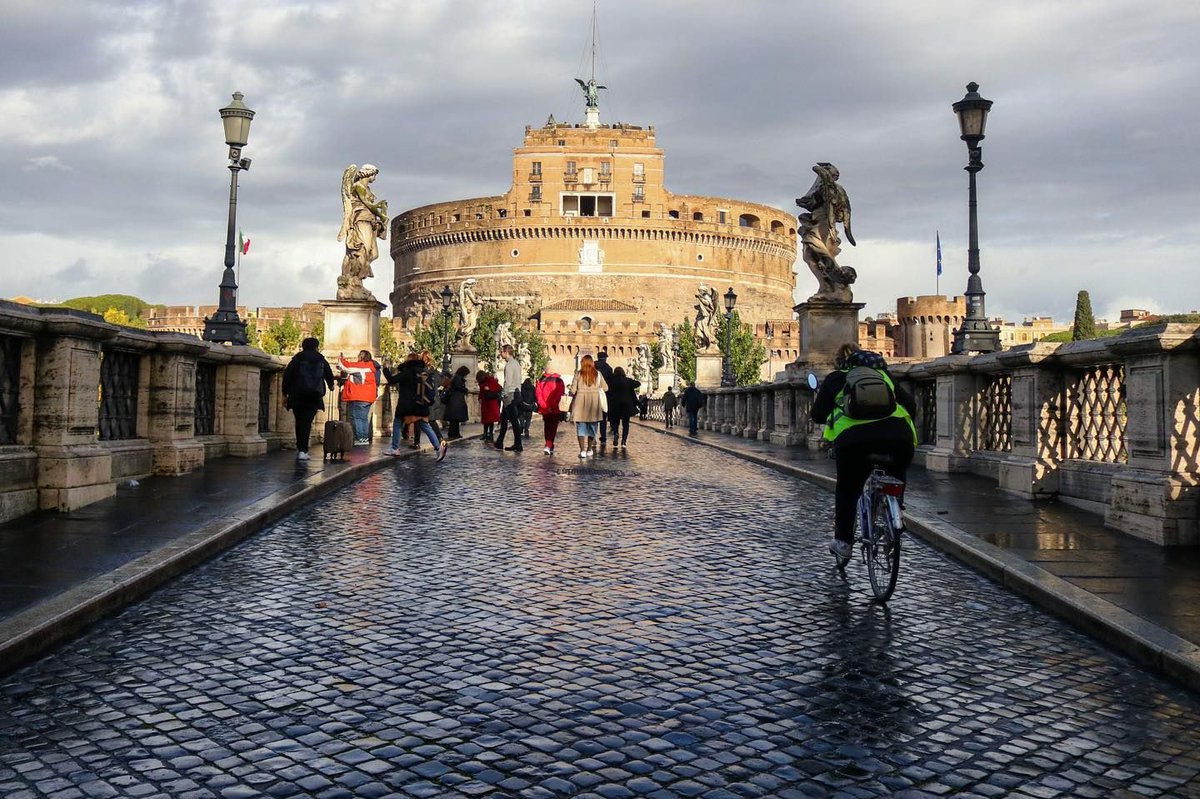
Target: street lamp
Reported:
[(975, 334), (447, 299), (727, 361), (224, 325)]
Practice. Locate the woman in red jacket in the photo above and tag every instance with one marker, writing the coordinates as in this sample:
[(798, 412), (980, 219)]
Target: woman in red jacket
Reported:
[(489, 403)]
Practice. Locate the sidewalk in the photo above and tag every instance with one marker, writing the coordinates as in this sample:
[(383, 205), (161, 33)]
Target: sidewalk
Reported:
[(60, 572), (1135, 596)]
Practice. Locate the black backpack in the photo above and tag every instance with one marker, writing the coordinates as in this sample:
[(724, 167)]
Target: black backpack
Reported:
[(424, 390), (867, 394), (310, 379)]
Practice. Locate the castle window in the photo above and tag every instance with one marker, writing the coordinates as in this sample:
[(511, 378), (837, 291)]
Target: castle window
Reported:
[(562, 142), (535, 194), (587, 204), (605, 167), (612, 142), (503, 213), (528, 212), (722, 216), (536, 168), (748, 220), (639, 193), (585, 324), (645, 214), (699, 256), (776, 226), (673, 214), (697, 216), (639, 172), (515, 252), (456, 218)]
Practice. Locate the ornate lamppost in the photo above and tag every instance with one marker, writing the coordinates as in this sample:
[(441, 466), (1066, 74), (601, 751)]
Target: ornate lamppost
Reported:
[(727, 361), (224, 325), (447, 300), (975, 334)]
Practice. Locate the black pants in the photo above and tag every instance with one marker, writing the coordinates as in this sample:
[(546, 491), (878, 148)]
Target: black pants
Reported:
[(603, 426), (304, 421), (453, 429), (853, 468), (621, 424), (509, 415), (670, 417)]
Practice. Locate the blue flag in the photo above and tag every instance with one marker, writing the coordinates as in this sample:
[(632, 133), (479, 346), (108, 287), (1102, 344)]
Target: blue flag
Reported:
[(939, 253)]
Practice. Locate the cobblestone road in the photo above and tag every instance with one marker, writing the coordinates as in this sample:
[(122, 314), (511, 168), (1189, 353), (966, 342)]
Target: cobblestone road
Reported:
[(664, 623)]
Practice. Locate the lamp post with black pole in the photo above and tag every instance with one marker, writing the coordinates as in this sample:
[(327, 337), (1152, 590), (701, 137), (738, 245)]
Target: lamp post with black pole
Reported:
[(975, 334), (447, 300), (727, 361), (225, 326)]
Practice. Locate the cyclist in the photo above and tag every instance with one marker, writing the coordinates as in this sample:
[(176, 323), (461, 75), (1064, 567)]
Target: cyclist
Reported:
[(891, 432)]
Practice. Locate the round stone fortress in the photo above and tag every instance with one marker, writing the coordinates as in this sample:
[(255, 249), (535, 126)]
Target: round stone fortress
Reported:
[(592, 247)]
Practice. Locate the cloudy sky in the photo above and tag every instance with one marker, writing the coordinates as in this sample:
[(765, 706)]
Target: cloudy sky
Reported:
[(113, 158)]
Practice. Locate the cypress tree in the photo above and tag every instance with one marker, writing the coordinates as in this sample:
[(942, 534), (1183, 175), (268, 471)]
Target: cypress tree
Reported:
[(1085, 323)]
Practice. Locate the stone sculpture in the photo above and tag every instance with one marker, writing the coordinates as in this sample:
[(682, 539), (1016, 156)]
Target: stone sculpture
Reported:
[(364, 223), (826, 205), (591, 91), (640, 365), (504, 336), (666, 347), (706, 317), (525, 357), (468, 311)]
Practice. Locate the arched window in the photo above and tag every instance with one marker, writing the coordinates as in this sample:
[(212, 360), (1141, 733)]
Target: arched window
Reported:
[(585, 324), (776, 226), (698, 216), (748, 220)]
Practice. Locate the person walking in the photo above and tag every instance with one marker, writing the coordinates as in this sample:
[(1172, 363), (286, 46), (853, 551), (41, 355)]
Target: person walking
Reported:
[(437, 383), (622, 401), (456, 403), (306, 379), (693, 400), (489, 403), (414, 396), (643, 406), (510, 401), (669, 401), (527, 405), (586, 410), (549, 393), (606, 372)]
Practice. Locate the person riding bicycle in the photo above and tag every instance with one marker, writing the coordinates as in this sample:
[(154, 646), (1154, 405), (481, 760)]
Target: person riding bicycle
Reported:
[(865, 413)]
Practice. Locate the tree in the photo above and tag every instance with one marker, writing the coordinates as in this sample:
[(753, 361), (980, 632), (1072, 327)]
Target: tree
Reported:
[(656, 361), (389, 348), (685, 338), (483, 339), (1085, 324), (318, 332), (253, 338), (433, 337), (747, 354), (282, 337), (118, 316)]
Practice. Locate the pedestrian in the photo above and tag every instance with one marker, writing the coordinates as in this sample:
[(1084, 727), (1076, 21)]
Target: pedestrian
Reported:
[(360, 389), (669, 401), (549, 393), (456, 402), (414, 396), (438, 381), (606, 372), (622, 400), (693, 400), (510, 401), (586, 410), (528, 404), (643, 406), (489, 403), (306, 378)]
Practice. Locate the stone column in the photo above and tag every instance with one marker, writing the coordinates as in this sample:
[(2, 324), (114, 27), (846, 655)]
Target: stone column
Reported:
[(737, 416), (708, 370), (1157, 496), (782, 431), (1031, 469), (172, 411), (956, 404), (73, 469), (18, 461), (766, 411), (240, 401)]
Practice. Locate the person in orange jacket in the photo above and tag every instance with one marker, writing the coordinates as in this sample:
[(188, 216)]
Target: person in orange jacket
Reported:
[(359, 390)]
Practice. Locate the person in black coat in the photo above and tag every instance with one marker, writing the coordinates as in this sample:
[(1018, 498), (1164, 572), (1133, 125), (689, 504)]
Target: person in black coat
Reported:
[(693, 400), (306, 378), (408, 409), (606, 371), (622, 403), (456, 402)]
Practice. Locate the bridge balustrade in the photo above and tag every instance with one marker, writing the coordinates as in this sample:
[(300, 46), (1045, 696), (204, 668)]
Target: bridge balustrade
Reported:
[(1111, 425), (86, 405)]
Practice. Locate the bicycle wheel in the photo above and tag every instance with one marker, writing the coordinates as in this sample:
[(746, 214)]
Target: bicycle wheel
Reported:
[(882, 547)]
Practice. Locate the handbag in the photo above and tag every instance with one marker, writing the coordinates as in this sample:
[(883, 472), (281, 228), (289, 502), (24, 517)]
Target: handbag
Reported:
[(603, 401)]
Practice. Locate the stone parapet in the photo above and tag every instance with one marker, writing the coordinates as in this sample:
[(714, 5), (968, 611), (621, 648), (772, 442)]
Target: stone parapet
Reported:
[(88, 405)]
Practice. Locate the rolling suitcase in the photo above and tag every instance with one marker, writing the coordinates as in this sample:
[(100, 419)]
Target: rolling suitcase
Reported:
[(339, 439)]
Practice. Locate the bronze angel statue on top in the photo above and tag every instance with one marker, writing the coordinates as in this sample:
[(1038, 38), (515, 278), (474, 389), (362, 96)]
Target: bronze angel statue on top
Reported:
[(364, 223), (826, 205)]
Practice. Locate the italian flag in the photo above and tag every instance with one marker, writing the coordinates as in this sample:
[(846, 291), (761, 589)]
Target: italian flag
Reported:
[(243, 242)]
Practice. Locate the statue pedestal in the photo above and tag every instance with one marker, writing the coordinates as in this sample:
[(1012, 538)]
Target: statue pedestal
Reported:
[(708, 370), (666, 380), (350, 326), (467, 358), (824, 327)]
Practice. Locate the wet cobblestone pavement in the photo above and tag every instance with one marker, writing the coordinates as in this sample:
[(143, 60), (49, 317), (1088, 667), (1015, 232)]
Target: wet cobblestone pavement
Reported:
[(665, 623)]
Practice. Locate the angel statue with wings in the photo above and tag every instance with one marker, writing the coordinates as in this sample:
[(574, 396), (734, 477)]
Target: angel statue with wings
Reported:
[(591, 91), (364, 222), (826, 205)]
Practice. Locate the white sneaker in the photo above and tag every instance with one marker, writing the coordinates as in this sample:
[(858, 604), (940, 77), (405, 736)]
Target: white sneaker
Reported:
[(301, 456), (591, 453), (582, 454), (547, 451)]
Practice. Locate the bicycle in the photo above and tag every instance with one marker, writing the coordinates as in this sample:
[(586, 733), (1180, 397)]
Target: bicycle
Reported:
[(879, 527)]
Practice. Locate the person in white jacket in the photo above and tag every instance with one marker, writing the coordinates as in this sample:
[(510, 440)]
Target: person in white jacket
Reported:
[(510, 401)]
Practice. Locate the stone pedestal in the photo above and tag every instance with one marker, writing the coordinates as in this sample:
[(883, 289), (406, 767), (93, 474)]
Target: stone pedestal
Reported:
[(708, 370), (666, 380), (824, 327), (350, 326), (172, 413)]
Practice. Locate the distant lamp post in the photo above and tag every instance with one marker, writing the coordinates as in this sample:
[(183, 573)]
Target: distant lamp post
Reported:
[(727, 361), (447, 300), (975, 334), (224, 326)]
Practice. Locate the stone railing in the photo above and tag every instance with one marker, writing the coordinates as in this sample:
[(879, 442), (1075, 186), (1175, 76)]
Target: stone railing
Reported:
[(1112, 425), (86, 405)]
